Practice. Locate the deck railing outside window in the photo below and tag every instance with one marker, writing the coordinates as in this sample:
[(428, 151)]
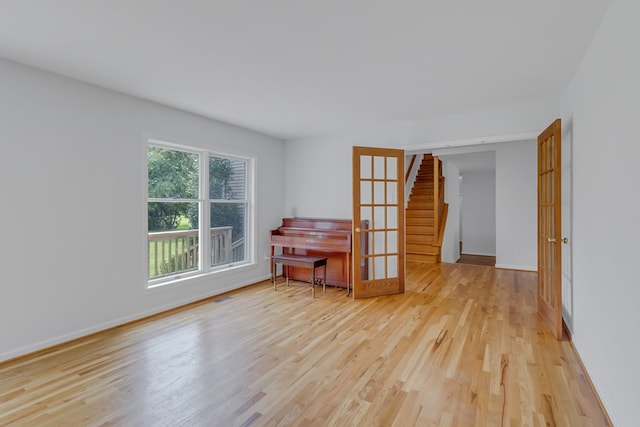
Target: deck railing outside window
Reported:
[(176, 251)]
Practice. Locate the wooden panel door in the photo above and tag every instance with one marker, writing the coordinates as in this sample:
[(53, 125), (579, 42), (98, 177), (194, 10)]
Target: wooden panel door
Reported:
[(550, 227), (378, 199)]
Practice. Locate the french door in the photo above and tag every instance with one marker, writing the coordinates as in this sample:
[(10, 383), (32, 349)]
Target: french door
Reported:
[(550, 227), (378, 222)]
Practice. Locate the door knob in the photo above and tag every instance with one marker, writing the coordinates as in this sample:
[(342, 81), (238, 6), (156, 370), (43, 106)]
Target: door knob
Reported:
[(357, 229), (565, 240), (551, 239)]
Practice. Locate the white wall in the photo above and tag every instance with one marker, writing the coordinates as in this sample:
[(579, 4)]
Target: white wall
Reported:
[(451, 239), (73, 220), (318, 179), (516, 205), (602, 105), (318, 170), (515, 165), (478, 213)]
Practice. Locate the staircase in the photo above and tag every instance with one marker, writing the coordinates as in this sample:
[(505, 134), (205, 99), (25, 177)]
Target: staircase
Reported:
[(423, 220)]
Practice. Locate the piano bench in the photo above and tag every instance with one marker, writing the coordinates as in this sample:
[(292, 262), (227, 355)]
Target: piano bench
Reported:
[(292, 260)]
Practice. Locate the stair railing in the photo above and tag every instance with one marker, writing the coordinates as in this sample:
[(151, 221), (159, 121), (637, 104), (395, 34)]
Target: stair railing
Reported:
[(443, 210), (410, 168), (410, 176), (436, 196), (439, 206)]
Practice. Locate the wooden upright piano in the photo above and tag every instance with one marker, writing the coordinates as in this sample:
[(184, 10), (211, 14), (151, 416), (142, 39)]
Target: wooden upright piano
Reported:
[(329, 238)]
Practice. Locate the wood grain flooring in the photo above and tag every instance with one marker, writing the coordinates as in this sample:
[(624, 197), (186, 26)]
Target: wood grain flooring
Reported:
[(477, 259), (462, 347)]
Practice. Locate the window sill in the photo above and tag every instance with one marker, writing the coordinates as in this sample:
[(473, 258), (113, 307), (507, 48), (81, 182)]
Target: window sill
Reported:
[(189, 278)]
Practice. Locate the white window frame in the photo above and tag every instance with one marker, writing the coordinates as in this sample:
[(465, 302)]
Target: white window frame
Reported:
[(204, 214)]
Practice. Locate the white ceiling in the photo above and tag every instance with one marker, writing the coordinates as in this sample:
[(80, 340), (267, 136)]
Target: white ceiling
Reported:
[(293, 68)]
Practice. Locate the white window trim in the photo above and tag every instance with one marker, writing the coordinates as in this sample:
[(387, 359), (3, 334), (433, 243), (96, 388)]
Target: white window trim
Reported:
[(204, 213)]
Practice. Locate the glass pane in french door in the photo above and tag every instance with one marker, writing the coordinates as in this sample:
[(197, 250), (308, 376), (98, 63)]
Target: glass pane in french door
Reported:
[(378, 205)]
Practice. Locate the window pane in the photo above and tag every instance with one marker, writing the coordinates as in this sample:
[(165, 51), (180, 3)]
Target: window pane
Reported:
[(168, 216), (379, 243), (378, 167), (392, 217), (392, 267), (378, 217), (172, 238), (392, 193), (378, 193), (365, 167), (379, 270), (392, 242), (227, 233), (172, 173), (365, 214), (368, 243), (365, 192), (227, 179), (392, 167)]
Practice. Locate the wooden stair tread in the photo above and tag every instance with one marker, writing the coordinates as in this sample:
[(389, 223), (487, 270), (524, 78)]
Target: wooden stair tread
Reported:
[(419, 215), (420, 205), (420, 239), (420, 228)]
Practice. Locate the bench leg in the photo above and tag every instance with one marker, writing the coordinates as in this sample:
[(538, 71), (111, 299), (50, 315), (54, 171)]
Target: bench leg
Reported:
[(274, 276), (324, 281), (314, 280), (287, 275)]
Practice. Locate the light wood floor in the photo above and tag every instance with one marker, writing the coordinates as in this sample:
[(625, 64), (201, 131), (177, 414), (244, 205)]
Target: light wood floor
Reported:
[(462, 347)]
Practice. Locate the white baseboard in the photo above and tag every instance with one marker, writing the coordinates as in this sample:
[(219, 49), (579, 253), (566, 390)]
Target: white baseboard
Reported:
[(516, 267), (477, 253), (117, 322)]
